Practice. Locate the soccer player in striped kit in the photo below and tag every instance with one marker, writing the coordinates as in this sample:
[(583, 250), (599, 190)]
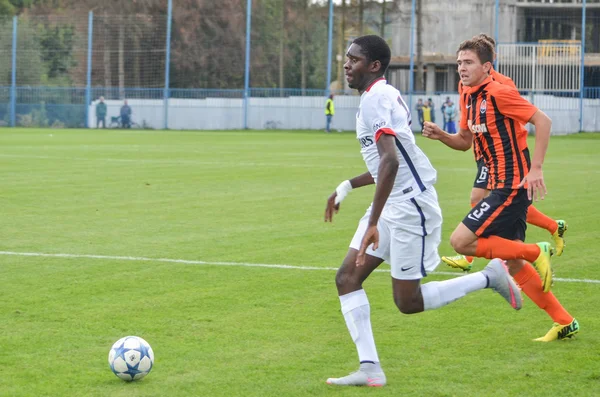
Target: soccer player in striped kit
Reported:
[(493, 118), (556, 228)]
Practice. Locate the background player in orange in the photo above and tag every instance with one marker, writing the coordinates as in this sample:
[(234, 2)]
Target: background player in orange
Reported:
[(494, 118), (556, 228)]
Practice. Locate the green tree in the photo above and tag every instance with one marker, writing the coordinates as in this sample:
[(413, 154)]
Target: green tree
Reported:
[(13, 7), (208, 44), (30, 68), (57, 42)]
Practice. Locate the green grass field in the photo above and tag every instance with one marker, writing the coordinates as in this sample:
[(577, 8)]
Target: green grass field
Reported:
[(160, 234)]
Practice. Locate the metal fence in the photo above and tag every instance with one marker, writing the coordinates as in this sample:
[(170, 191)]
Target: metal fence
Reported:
[(265, 63)]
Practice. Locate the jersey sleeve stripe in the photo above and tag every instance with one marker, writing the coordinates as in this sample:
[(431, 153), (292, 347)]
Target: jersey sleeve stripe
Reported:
[(381, 131)]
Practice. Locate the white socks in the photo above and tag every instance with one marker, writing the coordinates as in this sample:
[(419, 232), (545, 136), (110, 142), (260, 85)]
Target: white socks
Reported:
[(440, 293), (357, 313)]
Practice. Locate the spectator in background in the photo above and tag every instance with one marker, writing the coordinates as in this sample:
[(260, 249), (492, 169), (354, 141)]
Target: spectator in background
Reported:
[(125, 115), (427, 112), (101, 113), (431, 107), (443, 109), (419, 108), (450, 117), (329, 112)]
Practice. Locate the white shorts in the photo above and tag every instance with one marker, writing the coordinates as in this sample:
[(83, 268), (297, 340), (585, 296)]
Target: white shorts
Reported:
[(409, 235)]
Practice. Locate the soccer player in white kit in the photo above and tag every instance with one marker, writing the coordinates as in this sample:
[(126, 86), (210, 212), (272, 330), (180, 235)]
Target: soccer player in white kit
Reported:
[(403, 224)]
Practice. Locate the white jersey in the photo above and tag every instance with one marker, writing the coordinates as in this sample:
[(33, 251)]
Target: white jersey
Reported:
[(382, 110)]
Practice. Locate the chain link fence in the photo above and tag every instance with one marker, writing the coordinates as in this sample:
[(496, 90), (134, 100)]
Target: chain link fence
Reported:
[(66, 63)]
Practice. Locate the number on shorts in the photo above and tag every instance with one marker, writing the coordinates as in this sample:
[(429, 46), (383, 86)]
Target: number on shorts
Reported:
[(483, 175), (478, 213)]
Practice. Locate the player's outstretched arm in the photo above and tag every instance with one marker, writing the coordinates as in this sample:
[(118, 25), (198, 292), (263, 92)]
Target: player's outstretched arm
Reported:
[(536, 189), (333, 202), (460, 141)]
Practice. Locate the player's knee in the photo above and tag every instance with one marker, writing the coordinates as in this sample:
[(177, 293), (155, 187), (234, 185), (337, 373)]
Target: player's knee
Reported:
[(407, 307), (343, 278), (457, 243)]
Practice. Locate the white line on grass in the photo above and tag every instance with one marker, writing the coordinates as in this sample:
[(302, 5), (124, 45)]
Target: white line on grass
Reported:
[(228, 163), (241, 264)]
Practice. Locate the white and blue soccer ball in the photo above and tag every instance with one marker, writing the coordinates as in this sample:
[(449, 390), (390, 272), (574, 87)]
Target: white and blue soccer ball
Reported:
[(131, 358)]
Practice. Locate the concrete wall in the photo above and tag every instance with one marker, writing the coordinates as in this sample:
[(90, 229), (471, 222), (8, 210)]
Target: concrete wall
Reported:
[(308, 112), (446, 24)]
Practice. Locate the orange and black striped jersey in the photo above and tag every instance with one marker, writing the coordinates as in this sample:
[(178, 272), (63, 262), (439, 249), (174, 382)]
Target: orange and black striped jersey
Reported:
[(496, 76), (496, 115), (502, 79)]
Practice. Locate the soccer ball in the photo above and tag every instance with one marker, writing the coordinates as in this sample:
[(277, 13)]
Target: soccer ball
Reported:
[(131, 358)]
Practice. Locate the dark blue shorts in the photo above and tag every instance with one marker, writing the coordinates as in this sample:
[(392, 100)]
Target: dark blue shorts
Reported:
[(503, 213), (481, 179)]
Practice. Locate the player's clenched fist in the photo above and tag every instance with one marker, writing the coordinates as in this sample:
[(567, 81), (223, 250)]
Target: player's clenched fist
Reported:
[(432, 131)]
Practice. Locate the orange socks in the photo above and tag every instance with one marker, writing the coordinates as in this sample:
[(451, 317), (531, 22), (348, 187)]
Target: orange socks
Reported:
[(531, 284), (498, 247), (539, 219)]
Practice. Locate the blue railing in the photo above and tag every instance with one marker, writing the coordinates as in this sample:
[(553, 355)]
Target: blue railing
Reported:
[(591, 92), (114, 93)]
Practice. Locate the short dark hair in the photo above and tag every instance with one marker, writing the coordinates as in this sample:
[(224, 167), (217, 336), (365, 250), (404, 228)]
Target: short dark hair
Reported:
[(483, 49), (374, 48), (487, 37)]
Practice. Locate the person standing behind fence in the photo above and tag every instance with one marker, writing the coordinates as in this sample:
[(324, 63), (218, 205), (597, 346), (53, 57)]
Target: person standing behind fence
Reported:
[(426, 112), (450, 117), (329, 112), (101, 113), (431, 107), (125, 115), (443, 109), (419, 108)]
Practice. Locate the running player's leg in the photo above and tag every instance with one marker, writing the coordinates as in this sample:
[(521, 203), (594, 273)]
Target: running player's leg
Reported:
[(412, 297), (414, 255), (556, 228), (538, 218), (478, 193), (487, 229), (531, 285), (510, 227), (357, 310), (357, 314)]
